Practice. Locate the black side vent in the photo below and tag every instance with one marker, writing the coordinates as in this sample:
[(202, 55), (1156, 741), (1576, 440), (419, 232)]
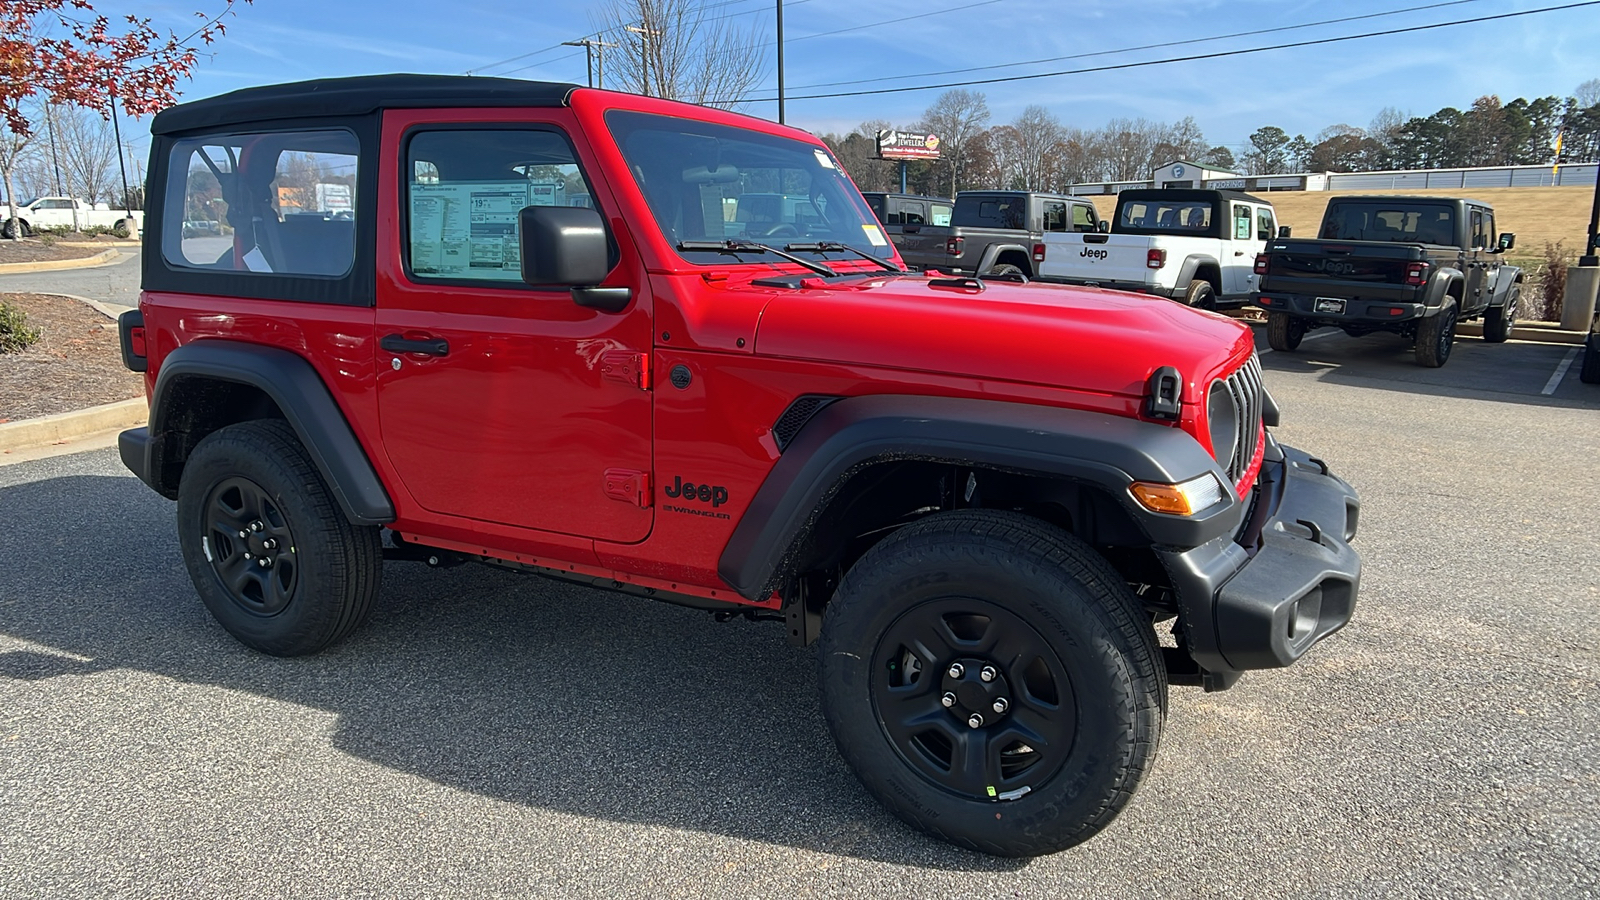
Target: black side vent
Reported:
[(796, 416)]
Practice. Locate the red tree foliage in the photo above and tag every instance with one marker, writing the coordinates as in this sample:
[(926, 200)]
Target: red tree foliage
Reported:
[(66, 51)]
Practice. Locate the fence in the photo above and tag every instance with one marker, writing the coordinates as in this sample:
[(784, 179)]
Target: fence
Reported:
[(1577, 174)]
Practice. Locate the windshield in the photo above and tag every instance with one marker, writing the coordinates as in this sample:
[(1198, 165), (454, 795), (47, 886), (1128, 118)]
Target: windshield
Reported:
[(1408, 223), (708, 182)]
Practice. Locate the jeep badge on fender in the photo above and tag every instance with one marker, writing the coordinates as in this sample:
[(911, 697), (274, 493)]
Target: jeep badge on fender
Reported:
[(715, 495), (952, 522)]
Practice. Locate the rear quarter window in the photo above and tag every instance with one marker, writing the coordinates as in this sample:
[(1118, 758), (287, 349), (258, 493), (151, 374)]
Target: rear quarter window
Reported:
[(263, 204)]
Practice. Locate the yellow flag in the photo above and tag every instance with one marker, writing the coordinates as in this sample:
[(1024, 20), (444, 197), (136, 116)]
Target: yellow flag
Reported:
[(1557, 145)]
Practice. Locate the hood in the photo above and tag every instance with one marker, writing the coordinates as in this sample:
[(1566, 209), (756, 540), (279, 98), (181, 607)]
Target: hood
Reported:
[(1088, 339)]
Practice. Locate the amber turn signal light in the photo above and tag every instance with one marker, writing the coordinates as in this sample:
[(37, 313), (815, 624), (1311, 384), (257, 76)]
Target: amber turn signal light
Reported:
[(1182, 499)]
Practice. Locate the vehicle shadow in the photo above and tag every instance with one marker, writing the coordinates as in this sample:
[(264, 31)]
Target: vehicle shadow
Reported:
[(505, 685), (1512, 372)]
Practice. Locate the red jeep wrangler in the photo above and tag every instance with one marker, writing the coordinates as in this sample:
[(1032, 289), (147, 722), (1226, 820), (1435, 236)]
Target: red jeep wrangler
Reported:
[(668, 350)]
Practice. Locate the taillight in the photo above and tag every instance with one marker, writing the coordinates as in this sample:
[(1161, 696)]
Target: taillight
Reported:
[(1038, 253), (135, 346), (952, 246), (1261, 264), (1155, 259), (1416, 274)]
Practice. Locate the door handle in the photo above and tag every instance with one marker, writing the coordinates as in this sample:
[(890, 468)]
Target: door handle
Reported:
[(394, 343), (1238, 253)]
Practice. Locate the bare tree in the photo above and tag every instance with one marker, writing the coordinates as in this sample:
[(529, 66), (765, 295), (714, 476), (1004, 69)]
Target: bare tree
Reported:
[(674, 49), (956, 117), (1035, 139), (13, 150), (1588, 93), (88, 154)]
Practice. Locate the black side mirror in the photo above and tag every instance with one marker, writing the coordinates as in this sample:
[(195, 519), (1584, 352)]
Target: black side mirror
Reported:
[(1283, 231), (566, 246), (1103, 226), (1508, 240)]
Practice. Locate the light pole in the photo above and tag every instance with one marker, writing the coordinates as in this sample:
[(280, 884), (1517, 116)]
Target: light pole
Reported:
[(644, 33)]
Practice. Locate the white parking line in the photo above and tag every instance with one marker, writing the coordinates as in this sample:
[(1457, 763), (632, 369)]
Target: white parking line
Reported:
[(1561, 372), (1309, 337)]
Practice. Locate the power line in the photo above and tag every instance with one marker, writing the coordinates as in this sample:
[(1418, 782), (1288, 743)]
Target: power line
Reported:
[(937, 12), (1177, 59), (1219, 37), (577, 53)]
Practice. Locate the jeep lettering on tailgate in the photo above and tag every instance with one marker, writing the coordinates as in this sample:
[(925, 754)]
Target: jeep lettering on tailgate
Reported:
[(873, 456)]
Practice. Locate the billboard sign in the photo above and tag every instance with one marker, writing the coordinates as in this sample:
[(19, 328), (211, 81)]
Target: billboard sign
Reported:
[(907, 145)]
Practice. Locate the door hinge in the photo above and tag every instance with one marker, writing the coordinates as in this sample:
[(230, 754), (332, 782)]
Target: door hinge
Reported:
[(629, 486), (627, 366)]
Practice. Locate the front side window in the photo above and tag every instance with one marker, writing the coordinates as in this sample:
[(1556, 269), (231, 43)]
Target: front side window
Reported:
[(275, 203), (465, 193), (1082, 218), (709, 182), (1265, 224), (1481, 231)]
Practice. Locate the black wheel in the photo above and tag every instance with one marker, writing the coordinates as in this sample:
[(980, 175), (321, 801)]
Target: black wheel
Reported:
[(269, 550), (993, 682), (1200, 295), (1436, 335), (9, 230), (1499, 320), (1284, 332), (1589, 372), (1004, 270)]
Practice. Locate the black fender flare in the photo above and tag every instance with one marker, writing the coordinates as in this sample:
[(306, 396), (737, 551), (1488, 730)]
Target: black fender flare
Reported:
[(1507, 276), (1191, 265), (992, 253), (1099, 449), (1438, 288), (294, 385)]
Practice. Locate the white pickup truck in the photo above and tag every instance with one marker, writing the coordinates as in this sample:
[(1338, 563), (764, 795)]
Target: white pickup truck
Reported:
[(1195, 246), (58, 212)]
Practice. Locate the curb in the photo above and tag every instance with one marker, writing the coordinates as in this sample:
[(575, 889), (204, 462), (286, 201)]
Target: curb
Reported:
[(73, 425), (112, 244), (48, 265)]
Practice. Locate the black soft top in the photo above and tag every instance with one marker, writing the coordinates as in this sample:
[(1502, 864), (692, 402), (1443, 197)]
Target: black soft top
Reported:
[(357, 96), (1188, 194)]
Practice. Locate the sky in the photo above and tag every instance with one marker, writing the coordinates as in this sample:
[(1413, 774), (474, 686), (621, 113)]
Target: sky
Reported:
[(1301, 90)]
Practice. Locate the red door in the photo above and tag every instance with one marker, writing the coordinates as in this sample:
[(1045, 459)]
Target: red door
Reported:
[(497, 401)]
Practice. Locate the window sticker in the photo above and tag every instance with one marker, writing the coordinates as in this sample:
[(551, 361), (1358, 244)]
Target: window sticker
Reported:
[(823, 159), (875, 236), (469, 229)]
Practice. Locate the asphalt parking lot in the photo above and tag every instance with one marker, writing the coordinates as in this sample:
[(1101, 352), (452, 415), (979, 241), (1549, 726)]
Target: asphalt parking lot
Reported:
[(490, 734)]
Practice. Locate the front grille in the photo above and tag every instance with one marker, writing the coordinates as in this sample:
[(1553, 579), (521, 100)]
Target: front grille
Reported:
[(1245, 387)]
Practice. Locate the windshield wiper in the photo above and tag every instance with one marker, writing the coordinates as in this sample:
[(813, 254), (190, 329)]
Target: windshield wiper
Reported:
[(837, 247), (732, 246)]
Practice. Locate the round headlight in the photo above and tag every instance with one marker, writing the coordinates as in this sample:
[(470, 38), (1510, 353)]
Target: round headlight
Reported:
[(1222, 415)]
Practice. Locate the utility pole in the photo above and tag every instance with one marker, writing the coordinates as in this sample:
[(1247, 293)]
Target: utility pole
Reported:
[(122, 159), (645, 33), (55, 158), (780, 62), (594, 51)]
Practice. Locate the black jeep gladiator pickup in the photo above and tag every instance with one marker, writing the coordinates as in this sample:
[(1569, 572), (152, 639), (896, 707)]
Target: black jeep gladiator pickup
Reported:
[(999, 232), (1412, 266)]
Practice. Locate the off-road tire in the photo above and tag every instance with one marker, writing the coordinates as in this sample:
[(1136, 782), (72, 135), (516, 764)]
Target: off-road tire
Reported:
[(1056, 604), (1200, 295), (1284, 332), (1436, 335), (1589, 371), (1499, 320), (1003, 269), (332, 565), (9, 229)]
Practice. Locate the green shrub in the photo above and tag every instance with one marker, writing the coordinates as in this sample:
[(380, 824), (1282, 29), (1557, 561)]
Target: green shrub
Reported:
[(1553, 280), (49, 240), (54, 230), (15, 333)]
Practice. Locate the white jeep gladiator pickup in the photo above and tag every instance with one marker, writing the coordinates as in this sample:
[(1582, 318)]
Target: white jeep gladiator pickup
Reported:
[(1195, 246)]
